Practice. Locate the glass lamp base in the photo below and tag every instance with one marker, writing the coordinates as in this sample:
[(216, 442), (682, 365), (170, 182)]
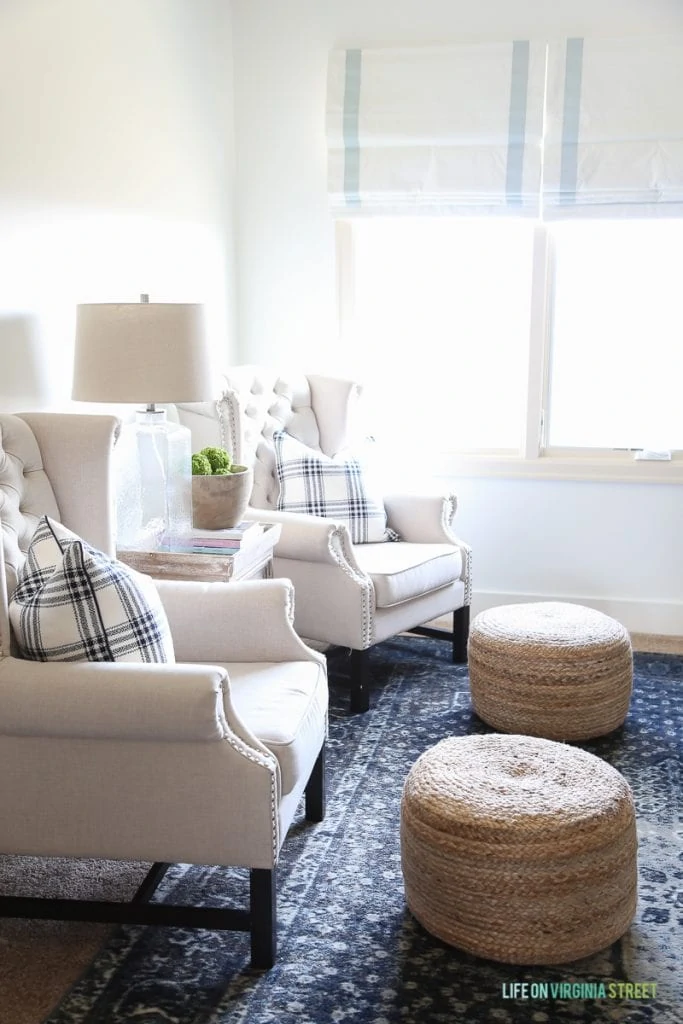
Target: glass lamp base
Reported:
[(153, 466)]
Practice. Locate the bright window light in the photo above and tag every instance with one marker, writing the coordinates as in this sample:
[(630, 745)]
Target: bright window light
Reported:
[(436, 323), (616, 363)]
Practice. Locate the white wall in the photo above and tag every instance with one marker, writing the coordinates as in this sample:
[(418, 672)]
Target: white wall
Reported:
[(616, 546), (116, 173)]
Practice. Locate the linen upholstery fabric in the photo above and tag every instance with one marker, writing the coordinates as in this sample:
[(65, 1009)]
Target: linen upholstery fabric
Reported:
[(117, 701), (73, 603), (285, 705), (54, 465), (26, 492), (315, 484), (78, 738), (259, 401), (208, 789), (337, 600), (401, 572)]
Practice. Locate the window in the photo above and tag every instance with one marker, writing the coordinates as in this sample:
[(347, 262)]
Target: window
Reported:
[(537, 295), (439, 316), (616, 357), (506, 352)]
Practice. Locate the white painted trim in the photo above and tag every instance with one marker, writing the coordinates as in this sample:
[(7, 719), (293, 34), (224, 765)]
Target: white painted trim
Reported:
[(618, 468), (532, 441), (664, 618), (343, 234)]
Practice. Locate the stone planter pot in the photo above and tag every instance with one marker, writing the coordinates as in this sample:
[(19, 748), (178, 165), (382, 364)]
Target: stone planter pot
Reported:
[(219, 502)]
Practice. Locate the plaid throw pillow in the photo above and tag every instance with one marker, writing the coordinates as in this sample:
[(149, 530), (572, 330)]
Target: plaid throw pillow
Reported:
[(72, 603), (318, 485)]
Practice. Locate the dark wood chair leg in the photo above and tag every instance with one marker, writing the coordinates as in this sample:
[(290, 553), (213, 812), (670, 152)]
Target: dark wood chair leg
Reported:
[(315, 790), (461, 631), (360, 681), (262, 910)]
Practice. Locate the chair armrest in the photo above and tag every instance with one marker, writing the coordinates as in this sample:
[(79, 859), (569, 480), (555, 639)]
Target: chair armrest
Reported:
[(112, 701), (422, 518), (250, 620), (307, 538)]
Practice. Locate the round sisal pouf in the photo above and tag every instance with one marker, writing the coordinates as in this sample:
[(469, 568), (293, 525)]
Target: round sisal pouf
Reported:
[(550, 669), (519, 849)]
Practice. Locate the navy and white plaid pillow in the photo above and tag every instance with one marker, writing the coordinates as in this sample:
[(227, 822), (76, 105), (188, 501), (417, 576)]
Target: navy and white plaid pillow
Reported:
[(73, 603), (318, 485)]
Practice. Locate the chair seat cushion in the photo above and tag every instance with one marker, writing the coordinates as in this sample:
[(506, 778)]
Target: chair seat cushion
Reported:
[(284, 705), (403, 571), (73, 603)]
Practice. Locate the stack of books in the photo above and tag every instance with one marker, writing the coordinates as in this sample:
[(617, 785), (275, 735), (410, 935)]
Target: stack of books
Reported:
[(248, 557), (219, 542)]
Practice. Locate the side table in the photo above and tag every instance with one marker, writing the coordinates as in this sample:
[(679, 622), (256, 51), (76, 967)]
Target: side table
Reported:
[(253, 561)]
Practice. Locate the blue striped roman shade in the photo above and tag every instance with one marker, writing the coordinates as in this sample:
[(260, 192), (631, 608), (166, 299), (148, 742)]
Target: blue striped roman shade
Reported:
[(614, 128), (453, 129), (567, 128)]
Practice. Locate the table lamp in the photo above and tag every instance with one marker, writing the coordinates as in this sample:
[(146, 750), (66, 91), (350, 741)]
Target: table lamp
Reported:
[(146, 352)]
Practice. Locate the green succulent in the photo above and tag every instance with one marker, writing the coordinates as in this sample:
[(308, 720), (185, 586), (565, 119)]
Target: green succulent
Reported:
[(218, 457), (222, 472), (201, 465)]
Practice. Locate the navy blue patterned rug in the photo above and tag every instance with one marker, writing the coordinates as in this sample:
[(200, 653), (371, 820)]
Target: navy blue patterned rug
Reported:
[(348, 948)]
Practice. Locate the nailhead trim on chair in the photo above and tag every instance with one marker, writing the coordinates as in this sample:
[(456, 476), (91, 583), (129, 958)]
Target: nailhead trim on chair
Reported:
[(338, 548), (337, 545), (291, 598), (223, 408), (449, 508), (466, 576), (265, 760), (230, 410)]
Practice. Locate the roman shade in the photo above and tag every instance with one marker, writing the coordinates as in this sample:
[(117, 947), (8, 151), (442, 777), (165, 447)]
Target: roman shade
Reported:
[(453, 129), (614, 128), (550, 129)]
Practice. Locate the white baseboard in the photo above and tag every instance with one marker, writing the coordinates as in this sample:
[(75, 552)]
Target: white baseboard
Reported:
[(664, 618)]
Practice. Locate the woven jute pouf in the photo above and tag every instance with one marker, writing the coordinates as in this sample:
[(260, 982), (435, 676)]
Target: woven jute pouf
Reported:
[(550, 669), (519, 849)]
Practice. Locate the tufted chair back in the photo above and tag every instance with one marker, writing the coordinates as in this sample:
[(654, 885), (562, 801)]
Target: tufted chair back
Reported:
[(55, 464), (256, 402), (25, 495)]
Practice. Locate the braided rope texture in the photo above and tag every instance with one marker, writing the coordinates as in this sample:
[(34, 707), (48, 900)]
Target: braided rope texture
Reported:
[(519, 849), (551, 669)]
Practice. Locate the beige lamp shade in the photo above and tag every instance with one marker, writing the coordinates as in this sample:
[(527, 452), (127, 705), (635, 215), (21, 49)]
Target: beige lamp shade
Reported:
[(141, 352)]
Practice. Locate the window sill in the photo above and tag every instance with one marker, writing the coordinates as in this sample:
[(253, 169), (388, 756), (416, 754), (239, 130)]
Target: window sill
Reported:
[(600, 469)]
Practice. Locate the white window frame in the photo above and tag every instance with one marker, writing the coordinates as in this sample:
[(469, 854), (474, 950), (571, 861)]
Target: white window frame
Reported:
[(534, 460)]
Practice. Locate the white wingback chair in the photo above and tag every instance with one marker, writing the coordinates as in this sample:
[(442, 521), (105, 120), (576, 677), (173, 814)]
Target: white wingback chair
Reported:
[(203, 761), (350, 595)]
